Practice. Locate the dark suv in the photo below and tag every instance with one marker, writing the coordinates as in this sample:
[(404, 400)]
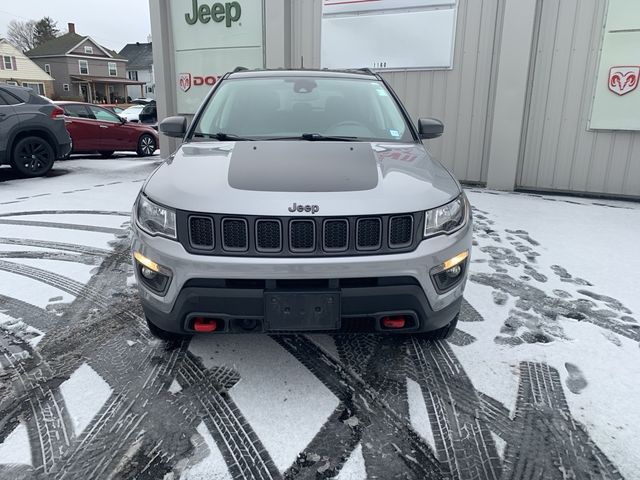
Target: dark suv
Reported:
[(32, 131)]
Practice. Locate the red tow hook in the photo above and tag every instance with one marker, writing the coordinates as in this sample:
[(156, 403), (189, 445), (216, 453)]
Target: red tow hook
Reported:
[(205, 325), (395, 322)]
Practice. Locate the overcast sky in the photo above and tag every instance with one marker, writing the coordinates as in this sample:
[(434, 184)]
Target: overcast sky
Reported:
[(112, 23)]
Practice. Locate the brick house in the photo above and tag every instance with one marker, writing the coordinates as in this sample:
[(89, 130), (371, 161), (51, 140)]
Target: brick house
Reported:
[(83, 69), (18, 69)]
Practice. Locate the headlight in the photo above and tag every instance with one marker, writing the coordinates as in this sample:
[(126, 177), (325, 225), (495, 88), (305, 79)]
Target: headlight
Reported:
[(446, 219), (154, 219)]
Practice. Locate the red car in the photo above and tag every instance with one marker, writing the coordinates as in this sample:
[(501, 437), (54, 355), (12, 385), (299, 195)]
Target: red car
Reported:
[(96, 129)]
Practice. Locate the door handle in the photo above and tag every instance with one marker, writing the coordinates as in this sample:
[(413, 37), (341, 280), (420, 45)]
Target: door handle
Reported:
[(3, 114)]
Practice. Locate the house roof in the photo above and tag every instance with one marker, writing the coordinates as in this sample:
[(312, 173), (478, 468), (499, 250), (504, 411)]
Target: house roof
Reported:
[(27, 70), (140, 55), (63, 44)]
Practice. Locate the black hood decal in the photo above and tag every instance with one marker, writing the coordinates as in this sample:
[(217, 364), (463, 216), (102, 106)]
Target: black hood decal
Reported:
[(302, 166)]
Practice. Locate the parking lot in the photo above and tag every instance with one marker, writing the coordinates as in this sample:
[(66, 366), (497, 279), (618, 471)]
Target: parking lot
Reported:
[(541, 375)]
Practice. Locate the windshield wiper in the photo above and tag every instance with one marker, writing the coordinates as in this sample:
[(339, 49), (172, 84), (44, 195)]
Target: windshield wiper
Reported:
[(224, 136), (316, 137)]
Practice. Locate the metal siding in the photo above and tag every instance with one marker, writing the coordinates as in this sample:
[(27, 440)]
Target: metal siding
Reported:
[(459, 97), (559, 153)]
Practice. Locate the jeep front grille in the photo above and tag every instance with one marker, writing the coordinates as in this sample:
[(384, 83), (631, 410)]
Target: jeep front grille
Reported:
[(201, 232), (311, 236), (235, 237), (336, 235), (268, 236), (302, 236), (400, 231), (369, 235)]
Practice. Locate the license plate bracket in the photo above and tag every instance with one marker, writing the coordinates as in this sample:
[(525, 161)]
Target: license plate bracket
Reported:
[(302, 311)]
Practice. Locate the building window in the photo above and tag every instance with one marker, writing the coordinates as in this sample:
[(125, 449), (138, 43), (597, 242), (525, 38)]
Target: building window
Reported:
[(88, 50), (37, 87), (8, 64), (65, 87), (47, 68), (84, 67), (133, 75), (113, 69)]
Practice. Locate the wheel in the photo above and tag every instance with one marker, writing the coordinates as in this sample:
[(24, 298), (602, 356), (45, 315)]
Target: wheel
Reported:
[(106, 153), (146, 145), (33, 157), (163, 334), (444, 332)]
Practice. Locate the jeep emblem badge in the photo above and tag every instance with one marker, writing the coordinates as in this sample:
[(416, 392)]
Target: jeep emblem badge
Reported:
[(304, 208), (184, 79)]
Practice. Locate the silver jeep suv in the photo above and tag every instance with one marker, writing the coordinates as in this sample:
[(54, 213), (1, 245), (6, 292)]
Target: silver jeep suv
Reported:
[(301, 201)]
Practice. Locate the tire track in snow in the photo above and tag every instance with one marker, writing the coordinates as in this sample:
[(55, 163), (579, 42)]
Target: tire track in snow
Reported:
[(65, 226), (241, 448), (393, 448), (66, 212), (463, 440), (546, 442), (70, 247)]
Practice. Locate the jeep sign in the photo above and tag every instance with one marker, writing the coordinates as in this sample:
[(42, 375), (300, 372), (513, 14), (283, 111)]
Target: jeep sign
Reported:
[(218, 12), (210, 38)]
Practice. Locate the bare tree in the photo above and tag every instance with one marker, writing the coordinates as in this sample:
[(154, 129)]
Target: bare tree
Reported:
[(22, 34)]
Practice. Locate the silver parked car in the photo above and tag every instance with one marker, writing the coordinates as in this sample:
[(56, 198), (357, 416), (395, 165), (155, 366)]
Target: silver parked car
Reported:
[(301, 201)]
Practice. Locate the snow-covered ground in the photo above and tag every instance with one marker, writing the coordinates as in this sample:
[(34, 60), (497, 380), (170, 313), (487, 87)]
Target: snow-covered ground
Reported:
[(539, 381)]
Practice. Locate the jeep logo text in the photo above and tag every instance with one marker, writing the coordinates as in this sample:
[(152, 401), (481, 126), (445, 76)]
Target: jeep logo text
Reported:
[(218, 12), (304, 208)]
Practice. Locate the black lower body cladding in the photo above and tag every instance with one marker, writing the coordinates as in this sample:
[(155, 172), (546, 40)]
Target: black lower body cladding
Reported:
[(239, 305)]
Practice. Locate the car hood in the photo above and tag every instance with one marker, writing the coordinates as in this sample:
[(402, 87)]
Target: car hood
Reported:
[(267, 178)]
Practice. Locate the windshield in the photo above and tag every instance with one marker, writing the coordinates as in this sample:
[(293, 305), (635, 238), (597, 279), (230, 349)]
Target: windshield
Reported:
[(293, 107)]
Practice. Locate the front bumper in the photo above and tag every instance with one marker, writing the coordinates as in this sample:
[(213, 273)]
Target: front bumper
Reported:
[(188, 291)]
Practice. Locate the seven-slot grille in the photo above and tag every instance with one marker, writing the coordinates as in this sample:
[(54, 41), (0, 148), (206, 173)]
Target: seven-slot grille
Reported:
[(304, 236)]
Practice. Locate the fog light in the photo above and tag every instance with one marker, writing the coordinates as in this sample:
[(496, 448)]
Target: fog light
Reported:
[(454, 272), (152, 275), (148, 274), (395, 322), (448, 274)]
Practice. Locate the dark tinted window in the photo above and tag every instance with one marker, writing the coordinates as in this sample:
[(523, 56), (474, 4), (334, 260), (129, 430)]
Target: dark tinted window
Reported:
[(77, 111), (8, 99)]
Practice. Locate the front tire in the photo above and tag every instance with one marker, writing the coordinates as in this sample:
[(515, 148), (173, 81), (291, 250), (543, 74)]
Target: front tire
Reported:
[(33, 157), (146, 145)]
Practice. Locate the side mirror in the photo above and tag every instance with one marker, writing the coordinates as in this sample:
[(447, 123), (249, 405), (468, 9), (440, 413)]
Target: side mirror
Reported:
[(173, 126), (122, 119), (430, 128)]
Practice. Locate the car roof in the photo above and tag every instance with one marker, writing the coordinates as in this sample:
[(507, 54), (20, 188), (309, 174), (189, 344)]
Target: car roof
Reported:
[(363, 74)]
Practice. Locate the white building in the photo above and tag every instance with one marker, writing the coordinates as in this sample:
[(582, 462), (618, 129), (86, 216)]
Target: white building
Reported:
[(140, 68)]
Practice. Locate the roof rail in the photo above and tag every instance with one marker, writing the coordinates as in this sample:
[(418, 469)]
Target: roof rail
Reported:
[(367, 70), (240, 69)]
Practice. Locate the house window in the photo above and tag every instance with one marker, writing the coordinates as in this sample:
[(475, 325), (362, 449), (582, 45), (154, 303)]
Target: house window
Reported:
[(84, 67), (37, 87), (65, 87), (8, 64), (47, 68), (113, 69), (88, 50), (133, 75)]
